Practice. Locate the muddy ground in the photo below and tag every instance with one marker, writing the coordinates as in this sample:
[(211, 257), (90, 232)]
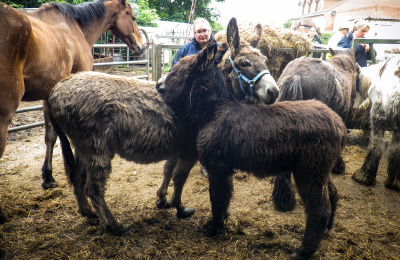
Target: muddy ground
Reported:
[(46, 224)]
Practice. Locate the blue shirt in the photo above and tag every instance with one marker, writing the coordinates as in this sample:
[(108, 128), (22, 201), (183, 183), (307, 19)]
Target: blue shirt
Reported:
[(189, 48), (361, 55)]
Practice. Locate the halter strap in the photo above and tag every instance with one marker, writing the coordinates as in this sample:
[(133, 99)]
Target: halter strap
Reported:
[(251, 82)]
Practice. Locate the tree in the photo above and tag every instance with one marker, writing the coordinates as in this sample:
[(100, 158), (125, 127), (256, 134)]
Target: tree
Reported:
[(145, 16), (179, 10)]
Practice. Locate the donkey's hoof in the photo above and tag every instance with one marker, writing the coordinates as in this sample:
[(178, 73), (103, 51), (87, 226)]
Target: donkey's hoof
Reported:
[(3, 217), (300, 254), (392, 184), (49, 184), (163, 204), (120, 230), (4, 255), (362, 178), (185, 213)]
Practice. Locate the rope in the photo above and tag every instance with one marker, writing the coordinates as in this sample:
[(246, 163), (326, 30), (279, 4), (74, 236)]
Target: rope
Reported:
[(191, 15)]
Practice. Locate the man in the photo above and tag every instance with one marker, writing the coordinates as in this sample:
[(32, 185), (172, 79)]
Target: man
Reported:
[(342, 32)]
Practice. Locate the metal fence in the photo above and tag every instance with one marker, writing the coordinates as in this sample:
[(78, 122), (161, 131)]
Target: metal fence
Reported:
[(157, 62)]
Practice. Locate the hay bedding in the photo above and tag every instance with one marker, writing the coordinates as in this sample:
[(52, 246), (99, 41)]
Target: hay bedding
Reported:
[(46, 225), (272, 40)]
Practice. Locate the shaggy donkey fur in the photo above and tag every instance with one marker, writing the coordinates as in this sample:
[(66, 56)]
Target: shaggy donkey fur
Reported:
[(104, 115), (303, 137), (333, 83)]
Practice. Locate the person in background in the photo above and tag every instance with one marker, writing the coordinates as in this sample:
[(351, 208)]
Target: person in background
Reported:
[(362, 50), (335, 38), (202, 36), (315, 39)]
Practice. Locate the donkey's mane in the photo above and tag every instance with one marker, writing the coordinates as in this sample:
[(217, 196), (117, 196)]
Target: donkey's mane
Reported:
[(83, 13)]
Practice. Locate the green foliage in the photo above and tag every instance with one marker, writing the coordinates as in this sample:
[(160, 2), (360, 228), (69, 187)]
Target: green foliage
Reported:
[(326, 36), (145, 16), (37, 3), (287, 23), (179, 10)]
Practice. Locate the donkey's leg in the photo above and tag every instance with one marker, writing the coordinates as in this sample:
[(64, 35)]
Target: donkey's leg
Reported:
[(340, 166), (220, 188), (333, 199), (393, 179), (367, 174), (315, 195), (78, 180), (95, 189), (50, 138), (169, 166), (180, 174), (3, 217), (282, 194)]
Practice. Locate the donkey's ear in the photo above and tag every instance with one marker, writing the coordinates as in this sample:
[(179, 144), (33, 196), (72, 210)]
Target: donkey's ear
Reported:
[(332, 52), (255, 39), (232, 37), (206, 56), (222, 49)]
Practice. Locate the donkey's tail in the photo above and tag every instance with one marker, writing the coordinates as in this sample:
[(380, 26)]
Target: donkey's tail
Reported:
[(68, 156), (290, 89)]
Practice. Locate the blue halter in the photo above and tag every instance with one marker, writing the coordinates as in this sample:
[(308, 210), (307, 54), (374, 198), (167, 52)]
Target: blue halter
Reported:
[(251, 82)]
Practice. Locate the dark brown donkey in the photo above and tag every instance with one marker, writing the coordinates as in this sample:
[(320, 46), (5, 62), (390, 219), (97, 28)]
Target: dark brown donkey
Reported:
[(303, 137), (40, 49)]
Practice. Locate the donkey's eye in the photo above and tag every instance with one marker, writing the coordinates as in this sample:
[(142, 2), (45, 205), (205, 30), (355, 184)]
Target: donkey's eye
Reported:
[(244, 64), (134, 18)]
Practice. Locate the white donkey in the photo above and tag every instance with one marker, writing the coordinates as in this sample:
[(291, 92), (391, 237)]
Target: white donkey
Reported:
[(381, 84)]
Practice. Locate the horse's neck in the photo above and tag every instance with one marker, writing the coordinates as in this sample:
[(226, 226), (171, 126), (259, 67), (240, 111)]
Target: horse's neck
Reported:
[(94, 30)]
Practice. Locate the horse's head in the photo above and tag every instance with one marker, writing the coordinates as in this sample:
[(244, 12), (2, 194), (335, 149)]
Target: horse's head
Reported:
[(247, 68), (124, 25)]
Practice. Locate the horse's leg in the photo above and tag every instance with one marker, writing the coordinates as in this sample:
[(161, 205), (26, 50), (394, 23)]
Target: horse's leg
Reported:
[(220, 189), (95, 189), (316, 197), (50, 138), (79, 180), (282, 194), (180, 174), (367, 174), (169, 166), (393, 170)]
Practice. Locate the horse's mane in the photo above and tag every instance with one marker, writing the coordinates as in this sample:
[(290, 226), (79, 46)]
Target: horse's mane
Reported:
[(84, 12)]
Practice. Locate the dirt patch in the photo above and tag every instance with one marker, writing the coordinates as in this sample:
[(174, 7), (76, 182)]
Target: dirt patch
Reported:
[(46, 224)]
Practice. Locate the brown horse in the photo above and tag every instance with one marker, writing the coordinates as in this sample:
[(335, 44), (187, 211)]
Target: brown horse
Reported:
[(40, 49)]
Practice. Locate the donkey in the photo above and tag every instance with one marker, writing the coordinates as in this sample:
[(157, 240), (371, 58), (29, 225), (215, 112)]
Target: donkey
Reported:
[(381, 84), (303, 137), (333, 83), (253, 84)]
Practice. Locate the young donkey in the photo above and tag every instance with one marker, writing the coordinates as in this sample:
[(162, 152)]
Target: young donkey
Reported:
[(303, 137)]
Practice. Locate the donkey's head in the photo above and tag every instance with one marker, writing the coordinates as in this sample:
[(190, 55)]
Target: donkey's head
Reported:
[(247, 68), (195, 81)]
